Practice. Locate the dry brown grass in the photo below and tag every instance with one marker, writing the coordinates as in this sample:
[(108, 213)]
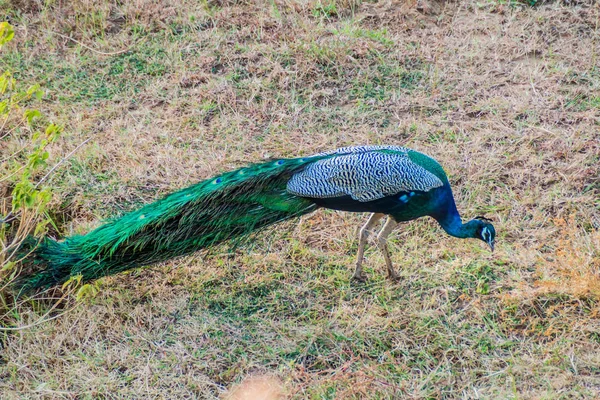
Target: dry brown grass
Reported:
[(507, 98)]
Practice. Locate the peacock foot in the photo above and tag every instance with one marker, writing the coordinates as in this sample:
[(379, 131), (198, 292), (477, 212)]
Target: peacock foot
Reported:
[(394, 277), (359, 277)]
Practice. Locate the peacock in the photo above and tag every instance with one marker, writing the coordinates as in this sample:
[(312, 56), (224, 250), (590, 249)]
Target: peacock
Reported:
[(393, 181)]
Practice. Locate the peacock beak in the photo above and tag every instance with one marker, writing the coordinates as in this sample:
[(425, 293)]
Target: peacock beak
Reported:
[(491, 243)]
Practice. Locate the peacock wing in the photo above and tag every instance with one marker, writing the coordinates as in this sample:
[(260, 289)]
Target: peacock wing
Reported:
[(365, 176)]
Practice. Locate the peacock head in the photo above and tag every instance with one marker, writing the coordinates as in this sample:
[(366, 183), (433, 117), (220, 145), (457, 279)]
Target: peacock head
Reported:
[(484, 230)]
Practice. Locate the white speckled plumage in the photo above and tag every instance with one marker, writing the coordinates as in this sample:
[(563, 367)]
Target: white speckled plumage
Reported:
[(365, 173), (363, 149)]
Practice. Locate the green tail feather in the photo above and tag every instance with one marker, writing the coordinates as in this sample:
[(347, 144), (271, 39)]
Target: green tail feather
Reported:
[(227, 207)]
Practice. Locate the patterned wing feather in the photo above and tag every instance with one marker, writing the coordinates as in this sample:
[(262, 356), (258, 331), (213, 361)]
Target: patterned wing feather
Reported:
[(363, 149), (365, 173)]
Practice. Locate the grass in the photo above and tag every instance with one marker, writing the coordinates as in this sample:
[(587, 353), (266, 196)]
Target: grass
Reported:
[(504, 95)]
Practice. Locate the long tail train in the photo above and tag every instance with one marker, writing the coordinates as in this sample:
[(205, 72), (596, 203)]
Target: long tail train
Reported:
[(227, 207)]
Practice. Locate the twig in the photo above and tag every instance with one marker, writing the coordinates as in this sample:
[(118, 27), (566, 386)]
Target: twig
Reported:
[(60, 162), (13, 154), (89, 48), (42, 319), (5, 178), (2, 128)]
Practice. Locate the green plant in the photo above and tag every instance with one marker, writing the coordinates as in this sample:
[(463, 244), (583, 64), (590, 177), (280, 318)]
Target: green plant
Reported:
[(328, 10), (23, 198)]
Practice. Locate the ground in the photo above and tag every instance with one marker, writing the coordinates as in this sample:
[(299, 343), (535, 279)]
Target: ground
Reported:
[(504, 94)]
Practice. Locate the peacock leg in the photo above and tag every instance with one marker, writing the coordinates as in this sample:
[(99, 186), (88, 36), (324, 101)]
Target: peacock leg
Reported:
[(389, 226), (362, 241)]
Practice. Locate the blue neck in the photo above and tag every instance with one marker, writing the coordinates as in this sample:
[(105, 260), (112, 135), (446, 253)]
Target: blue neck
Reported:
[(453, 225), (451, 222)]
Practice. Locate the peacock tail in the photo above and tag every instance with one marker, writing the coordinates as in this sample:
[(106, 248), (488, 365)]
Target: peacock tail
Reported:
[(227, 207)]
